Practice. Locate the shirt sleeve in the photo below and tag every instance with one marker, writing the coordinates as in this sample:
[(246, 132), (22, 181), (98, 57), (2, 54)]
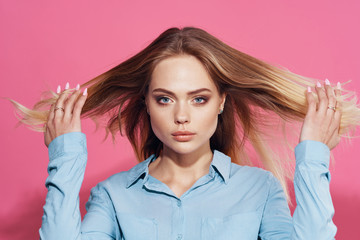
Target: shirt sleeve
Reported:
[(312, 218), (62, 218)]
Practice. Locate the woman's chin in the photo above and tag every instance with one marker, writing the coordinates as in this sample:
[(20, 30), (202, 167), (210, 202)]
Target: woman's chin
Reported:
[(186, 148)]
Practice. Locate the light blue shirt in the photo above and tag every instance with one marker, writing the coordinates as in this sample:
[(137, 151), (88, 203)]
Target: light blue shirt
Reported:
[(230, 202)]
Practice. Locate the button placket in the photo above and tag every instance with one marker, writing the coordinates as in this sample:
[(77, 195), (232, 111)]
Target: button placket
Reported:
[(178, 220)]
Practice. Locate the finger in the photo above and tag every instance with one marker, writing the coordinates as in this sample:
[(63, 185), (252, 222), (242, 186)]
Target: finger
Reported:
[(46, 134), (338, 95), (335, 124), (79, 105), (51, 113), (59, 105), (311, 101), (328, 122), (323, 100), (331, 99), (338, 113), (69, 105)]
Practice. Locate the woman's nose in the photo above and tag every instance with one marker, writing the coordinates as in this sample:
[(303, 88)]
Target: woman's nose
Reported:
[(181, 115)]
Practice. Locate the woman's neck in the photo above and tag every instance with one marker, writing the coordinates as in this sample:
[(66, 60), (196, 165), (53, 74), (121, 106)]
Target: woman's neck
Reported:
[(181, 171)]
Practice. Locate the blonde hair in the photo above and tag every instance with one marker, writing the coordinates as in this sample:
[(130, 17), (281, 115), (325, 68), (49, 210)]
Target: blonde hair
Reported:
[(255, 92)]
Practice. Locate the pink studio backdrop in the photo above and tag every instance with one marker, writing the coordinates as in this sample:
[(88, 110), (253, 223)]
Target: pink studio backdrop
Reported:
[(46, 43)]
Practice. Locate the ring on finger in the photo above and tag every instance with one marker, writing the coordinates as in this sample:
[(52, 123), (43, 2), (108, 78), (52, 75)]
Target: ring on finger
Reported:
[(59, 108), (332, 108)]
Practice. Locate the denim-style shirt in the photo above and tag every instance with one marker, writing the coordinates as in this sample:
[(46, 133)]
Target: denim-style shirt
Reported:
[(230, 202)]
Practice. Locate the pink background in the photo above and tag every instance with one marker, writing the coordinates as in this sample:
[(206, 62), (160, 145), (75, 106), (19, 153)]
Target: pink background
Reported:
[(46, 43)]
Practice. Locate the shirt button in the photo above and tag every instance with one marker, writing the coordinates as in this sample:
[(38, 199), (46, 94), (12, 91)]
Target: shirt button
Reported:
[(179, 236), (179, 204)]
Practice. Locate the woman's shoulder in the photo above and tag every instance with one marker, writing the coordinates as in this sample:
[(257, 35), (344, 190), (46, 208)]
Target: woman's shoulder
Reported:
[(250, 184), (250, 174), (124, 179), (231, 170), (249, 170)]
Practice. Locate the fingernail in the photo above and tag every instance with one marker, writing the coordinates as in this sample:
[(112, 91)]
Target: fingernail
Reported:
[(309, 89), (318, 84), (67, 86), (327, 82), (77, 87), (338, 85), (85, 92), (58, 90)]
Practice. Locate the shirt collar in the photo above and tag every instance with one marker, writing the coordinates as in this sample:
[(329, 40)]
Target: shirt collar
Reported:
[(140, 170), (221, 163)]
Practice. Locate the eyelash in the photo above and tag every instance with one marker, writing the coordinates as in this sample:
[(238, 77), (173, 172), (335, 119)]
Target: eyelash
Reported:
[(204, 100)]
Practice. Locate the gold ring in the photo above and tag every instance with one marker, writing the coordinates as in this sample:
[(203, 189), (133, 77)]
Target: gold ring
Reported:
[(61, 108), (332, 108)]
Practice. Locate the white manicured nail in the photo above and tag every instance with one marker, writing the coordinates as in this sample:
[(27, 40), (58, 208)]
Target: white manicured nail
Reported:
[(77, 87), (67, 86), (85, 92), (309, 89), (338, 85), (327, 82), (58, 90), (318, 84)]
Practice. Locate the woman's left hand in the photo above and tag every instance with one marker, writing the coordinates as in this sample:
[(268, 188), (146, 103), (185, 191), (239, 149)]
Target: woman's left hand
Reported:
[(322, 120)]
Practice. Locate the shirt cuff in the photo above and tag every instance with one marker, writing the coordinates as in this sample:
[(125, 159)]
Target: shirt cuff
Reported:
[(74, 142), (312, 151)]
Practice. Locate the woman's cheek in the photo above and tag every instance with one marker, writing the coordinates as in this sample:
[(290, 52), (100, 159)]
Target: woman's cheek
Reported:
[(208, 120), (159, 125)]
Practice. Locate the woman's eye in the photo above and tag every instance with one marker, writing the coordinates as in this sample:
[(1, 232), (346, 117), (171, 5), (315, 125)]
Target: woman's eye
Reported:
[(163, 100), (200, 100)]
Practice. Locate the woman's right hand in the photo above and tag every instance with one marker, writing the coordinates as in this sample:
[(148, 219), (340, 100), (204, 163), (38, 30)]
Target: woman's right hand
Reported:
[(64, 116)]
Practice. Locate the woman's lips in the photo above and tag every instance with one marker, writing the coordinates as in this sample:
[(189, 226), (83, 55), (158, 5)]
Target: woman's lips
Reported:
[(183, 136)]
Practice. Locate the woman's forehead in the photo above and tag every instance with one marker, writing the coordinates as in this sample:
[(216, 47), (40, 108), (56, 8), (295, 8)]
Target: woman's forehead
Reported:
[(181, 72)]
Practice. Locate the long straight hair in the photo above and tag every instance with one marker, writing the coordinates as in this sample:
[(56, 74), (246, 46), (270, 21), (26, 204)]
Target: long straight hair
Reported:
[(255, 90)]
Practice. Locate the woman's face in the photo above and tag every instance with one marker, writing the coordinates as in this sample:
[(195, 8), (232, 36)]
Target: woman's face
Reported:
[(183, 104)]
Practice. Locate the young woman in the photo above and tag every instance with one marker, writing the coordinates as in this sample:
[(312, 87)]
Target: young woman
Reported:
[(188, 104)]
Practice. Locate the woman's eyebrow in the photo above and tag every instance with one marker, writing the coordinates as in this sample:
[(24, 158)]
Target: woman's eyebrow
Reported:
[(189, 93)]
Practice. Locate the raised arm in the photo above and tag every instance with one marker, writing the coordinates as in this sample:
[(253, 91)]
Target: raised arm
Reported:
[(320, 133), (312, 218), (67, 162), (313, 214)]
